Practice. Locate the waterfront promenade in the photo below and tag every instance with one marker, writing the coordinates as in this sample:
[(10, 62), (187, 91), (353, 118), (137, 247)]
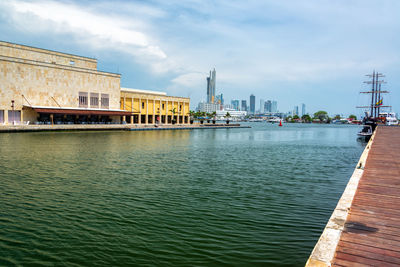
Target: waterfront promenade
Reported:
[(364, 229), (109, 127)]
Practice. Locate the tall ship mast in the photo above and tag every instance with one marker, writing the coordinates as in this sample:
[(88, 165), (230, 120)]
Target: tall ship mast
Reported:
[(376, 95)]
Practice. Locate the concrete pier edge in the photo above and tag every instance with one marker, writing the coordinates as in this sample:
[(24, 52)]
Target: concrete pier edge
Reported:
[(119, 127), (324, 251)]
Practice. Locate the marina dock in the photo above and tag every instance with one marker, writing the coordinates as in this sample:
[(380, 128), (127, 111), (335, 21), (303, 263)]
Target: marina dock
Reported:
[(364, 229), (113, 127)]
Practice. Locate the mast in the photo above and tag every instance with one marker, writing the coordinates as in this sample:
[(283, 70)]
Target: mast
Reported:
[(375, 94)]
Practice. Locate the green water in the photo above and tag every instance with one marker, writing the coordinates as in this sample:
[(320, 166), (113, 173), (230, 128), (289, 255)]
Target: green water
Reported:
[(258, 196)]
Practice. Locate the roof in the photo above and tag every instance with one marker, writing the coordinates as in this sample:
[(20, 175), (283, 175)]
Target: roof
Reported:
[(80, 111), (140, 91)]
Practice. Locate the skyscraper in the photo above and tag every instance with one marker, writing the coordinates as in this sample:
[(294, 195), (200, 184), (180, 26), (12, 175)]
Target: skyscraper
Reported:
[(274, 107), (261, 105), (252, 104), (303, 109), (267, 106), (235, 104), (296, 111), (244, 105), (211, 81)]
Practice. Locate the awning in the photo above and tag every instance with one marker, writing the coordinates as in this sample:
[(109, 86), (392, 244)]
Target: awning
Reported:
[(82, 111)]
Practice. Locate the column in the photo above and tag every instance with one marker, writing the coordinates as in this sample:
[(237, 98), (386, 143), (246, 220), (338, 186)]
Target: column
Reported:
[(123, 119), (5, 116), (147, 111), (160, 112), (140, 111), (154, 111), (131, 119), (166, 111)]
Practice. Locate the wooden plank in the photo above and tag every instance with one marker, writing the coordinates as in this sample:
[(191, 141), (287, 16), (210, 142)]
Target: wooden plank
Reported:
[(372, 230), (362, 260)]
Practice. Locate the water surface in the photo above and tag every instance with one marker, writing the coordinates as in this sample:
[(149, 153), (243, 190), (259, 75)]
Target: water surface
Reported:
[(258, 196)]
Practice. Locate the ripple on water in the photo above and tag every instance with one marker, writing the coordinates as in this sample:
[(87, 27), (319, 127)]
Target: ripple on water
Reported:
[(220, 197)]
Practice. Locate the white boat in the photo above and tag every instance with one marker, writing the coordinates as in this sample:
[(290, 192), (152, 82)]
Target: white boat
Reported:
[(389, 118), (366, 132)]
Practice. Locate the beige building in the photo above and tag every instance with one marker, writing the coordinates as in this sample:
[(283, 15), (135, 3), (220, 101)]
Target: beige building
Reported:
[(44, 86)]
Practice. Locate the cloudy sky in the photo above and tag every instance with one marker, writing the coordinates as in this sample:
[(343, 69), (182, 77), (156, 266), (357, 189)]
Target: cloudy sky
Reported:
[(315, 52)]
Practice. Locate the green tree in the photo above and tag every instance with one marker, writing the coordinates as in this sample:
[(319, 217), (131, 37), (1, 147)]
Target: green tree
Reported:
[(227, 116), (354, 117), (295, 117), (192, 115), (321, 115), (288, 119), (306, 118)]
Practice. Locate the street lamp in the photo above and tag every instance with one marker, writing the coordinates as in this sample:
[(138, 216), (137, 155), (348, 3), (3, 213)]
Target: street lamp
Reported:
[(12, 114)]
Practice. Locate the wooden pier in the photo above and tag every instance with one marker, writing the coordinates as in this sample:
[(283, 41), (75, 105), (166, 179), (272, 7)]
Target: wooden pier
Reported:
[(364, 229)]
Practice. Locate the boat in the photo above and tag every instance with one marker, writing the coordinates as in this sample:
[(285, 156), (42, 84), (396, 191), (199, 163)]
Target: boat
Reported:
[(389, 118)]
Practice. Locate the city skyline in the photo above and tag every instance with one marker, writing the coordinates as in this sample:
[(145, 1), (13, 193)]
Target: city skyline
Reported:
[(294, 52)]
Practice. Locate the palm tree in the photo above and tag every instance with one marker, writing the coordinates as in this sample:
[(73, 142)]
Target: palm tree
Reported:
[(173, 111), (214, 115), (192, 115), (227, 116)]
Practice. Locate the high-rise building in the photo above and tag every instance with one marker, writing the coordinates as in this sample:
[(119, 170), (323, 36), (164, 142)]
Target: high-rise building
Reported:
[(235, 104), (267, 106), (296, 111), (211, 81), (261, 105), (219, 99), (274, 107), (244, 105), (252, 104), (303, 109)]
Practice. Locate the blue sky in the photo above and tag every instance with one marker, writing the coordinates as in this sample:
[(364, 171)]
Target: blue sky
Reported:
[(315, 52)]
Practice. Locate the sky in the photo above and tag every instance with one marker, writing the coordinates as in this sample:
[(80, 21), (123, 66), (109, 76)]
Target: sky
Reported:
[(315, 52)]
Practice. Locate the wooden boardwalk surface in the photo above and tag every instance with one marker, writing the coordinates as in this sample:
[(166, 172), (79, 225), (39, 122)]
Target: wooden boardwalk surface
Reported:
[(371, 235)]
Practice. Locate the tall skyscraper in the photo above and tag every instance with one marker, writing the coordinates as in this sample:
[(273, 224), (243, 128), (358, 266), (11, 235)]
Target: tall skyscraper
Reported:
[(244, 105), (235, 104), (303, 109), (252, 104), (296, 111), (219, 99), (261, 105), (211, 81), (267, 106), (274, 107)]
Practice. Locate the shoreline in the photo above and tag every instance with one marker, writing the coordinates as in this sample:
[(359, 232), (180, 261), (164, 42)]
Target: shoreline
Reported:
[(112, 127)]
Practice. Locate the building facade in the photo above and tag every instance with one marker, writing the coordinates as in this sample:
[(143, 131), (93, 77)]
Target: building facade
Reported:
[(252, 104), (211, 82), (235, 104), (45, 87), (153, 107), (244, 105)]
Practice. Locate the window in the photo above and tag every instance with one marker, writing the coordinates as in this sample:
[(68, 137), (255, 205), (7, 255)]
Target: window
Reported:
[(142, 104), (71, 62), (1, 116), (94, 100), (180, 107), (83, 99), (163, 106), (105, 100), (14, 116)]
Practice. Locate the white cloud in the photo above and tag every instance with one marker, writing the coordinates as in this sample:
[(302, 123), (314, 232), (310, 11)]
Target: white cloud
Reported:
[(95, 28)]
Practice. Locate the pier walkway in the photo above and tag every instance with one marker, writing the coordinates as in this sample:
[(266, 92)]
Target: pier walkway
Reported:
[(364, 229)]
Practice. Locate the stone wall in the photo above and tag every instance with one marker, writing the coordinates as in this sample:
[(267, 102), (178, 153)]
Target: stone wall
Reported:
[(48, 56)]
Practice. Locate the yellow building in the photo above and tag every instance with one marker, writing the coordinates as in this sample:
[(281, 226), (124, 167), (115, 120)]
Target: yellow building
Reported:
[(153, 107), (44, 86)]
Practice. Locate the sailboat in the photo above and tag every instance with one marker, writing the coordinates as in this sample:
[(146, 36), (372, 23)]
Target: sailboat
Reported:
[(372, 117)]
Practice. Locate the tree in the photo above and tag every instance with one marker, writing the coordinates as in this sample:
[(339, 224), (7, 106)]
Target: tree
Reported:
[(306, 118), (192, 115), (214, 115), (296, 117), (227, 116), (321, 115), (173, 111), (354, 117), (288, 119)]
